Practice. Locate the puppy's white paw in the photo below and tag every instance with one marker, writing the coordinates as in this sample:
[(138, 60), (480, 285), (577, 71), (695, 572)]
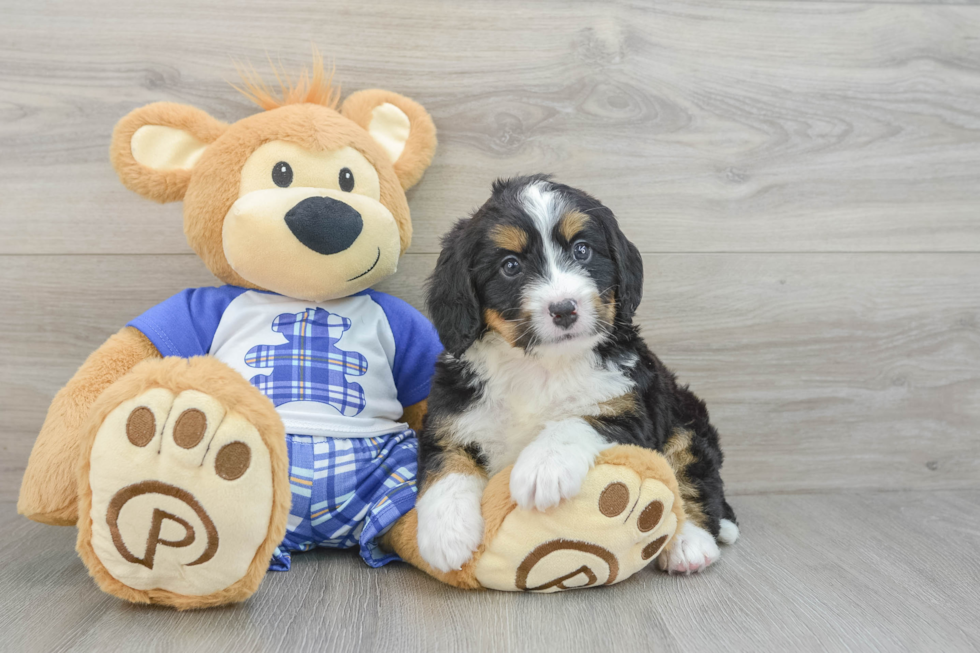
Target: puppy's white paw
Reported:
[(691, 550), (451, 521), (541, 479), (554, 465), (728, 532)]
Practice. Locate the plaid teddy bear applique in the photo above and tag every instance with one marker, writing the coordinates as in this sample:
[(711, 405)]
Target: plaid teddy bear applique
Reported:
[(310, 367)]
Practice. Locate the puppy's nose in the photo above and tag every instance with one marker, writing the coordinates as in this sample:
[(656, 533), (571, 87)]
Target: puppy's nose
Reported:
[(325, 225), (563, 313)]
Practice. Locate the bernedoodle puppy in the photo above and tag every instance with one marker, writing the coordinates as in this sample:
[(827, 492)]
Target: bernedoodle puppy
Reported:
[(533, 298)]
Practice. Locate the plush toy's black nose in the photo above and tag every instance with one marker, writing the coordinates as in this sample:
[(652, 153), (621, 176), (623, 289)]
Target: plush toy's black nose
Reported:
[(325, 225), (563, 313)]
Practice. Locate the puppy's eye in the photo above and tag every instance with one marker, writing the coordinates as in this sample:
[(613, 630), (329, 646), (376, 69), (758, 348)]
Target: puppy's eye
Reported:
[(282, 174), (511, 267), (346, 179), (582, 251)]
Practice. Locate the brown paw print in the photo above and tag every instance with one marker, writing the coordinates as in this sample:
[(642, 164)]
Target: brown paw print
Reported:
[(181, 493), (616, 525)]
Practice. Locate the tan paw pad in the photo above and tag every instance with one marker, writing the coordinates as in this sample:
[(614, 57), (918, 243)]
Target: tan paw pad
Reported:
[(181, 493)]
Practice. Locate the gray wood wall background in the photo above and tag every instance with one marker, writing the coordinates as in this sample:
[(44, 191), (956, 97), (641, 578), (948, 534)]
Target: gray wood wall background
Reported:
[(802, 177)]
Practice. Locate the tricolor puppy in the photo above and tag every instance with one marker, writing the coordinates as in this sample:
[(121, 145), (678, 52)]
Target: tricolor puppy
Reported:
[(533, 298)]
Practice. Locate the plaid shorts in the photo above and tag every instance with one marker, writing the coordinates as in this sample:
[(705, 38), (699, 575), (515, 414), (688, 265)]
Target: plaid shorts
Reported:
[(347, 493)]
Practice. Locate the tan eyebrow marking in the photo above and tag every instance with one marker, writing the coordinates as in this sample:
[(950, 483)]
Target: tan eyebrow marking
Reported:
[(509, 237), (572, 223)]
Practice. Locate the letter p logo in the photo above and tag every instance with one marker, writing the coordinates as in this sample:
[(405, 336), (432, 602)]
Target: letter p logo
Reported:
[(153, 539)]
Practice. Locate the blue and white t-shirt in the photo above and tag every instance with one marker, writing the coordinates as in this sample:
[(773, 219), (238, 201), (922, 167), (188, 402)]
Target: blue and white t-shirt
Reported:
[(342, 368)]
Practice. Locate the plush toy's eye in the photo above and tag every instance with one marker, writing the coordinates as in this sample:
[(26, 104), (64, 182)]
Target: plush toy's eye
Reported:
[(346, 179), (282, 174), (511, 267), (582, 251)]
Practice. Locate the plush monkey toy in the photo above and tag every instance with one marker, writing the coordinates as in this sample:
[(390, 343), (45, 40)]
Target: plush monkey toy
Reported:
[(230, 426)]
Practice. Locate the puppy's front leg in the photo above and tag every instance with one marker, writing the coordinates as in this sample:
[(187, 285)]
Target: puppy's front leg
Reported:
[(553, 466), (449, 506)]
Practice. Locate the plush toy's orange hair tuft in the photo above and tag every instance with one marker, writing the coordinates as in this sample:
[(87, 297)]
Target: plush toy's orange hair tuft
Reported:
[(312, 87)]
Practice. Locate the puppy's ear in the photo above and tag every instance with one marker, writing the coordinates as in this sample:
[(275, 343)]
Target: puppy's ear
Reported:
[(629, 270), (451, 297), (155, 147), (400, 125)]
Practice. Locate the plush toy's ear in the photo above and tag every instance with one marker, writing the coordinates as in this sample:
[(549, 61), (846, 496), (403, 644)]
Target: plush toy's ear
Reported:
[(400, 125), (154, 148)]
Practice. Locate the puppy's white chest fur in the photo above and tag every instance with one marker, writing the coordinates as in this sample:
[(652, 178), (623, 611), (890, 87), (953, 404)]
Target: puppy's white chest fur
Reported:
[(524, 391)]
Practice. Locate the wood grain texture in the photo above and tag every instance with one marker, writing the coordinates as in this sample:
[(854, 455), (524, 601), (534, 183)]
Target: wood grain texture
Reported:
[(707, 126), (846, 572), (822, 372)]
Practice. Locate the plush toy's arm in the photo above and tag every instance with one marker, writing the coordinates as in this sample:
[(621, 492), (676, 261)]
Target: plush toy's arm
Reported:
[(414, 414), (48, 493)]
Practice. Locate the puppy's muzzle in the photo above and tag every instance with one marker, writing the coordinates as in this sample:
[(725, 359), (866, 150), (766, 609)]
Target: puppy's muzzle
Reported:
[(325, 225), (564, 313)]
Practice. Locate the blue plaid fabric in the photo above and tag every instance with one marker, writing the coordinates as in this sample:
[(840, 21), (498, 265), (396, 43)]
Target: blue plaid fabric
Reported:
[(310, 367), (347, 493)]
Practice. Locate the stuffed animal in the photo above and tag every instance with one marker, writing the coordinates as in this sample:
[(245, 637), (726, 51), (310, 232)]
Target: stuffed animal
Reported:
[(231, 426)]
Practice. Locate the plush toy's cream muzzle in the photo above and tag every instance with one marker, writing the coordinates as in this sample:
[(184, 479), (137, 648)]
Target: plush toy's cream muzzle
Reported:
[(310, 243)]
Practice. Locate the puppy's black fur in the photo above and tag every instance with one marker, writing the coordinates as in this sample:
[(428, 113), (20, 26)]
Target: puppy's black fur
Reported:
[(472, 296)]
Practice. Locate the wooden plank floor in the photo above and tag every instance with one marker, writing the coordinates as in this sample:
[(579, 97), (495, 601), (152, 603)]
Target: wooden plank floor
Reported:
[(854, 572), (802, 177)]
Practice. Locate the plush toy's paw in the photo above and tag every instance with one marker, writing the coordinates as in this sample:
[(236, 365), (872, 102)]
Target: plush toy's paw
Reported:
[(450, 526), (691, 550), (182, 501), (626, 511), (181, 493)]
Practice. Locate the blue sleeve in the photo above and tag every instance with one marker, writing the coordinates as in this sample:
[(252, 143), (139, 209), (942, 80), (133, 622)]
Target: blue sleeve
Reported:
[(416, 348), (184, 325)]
